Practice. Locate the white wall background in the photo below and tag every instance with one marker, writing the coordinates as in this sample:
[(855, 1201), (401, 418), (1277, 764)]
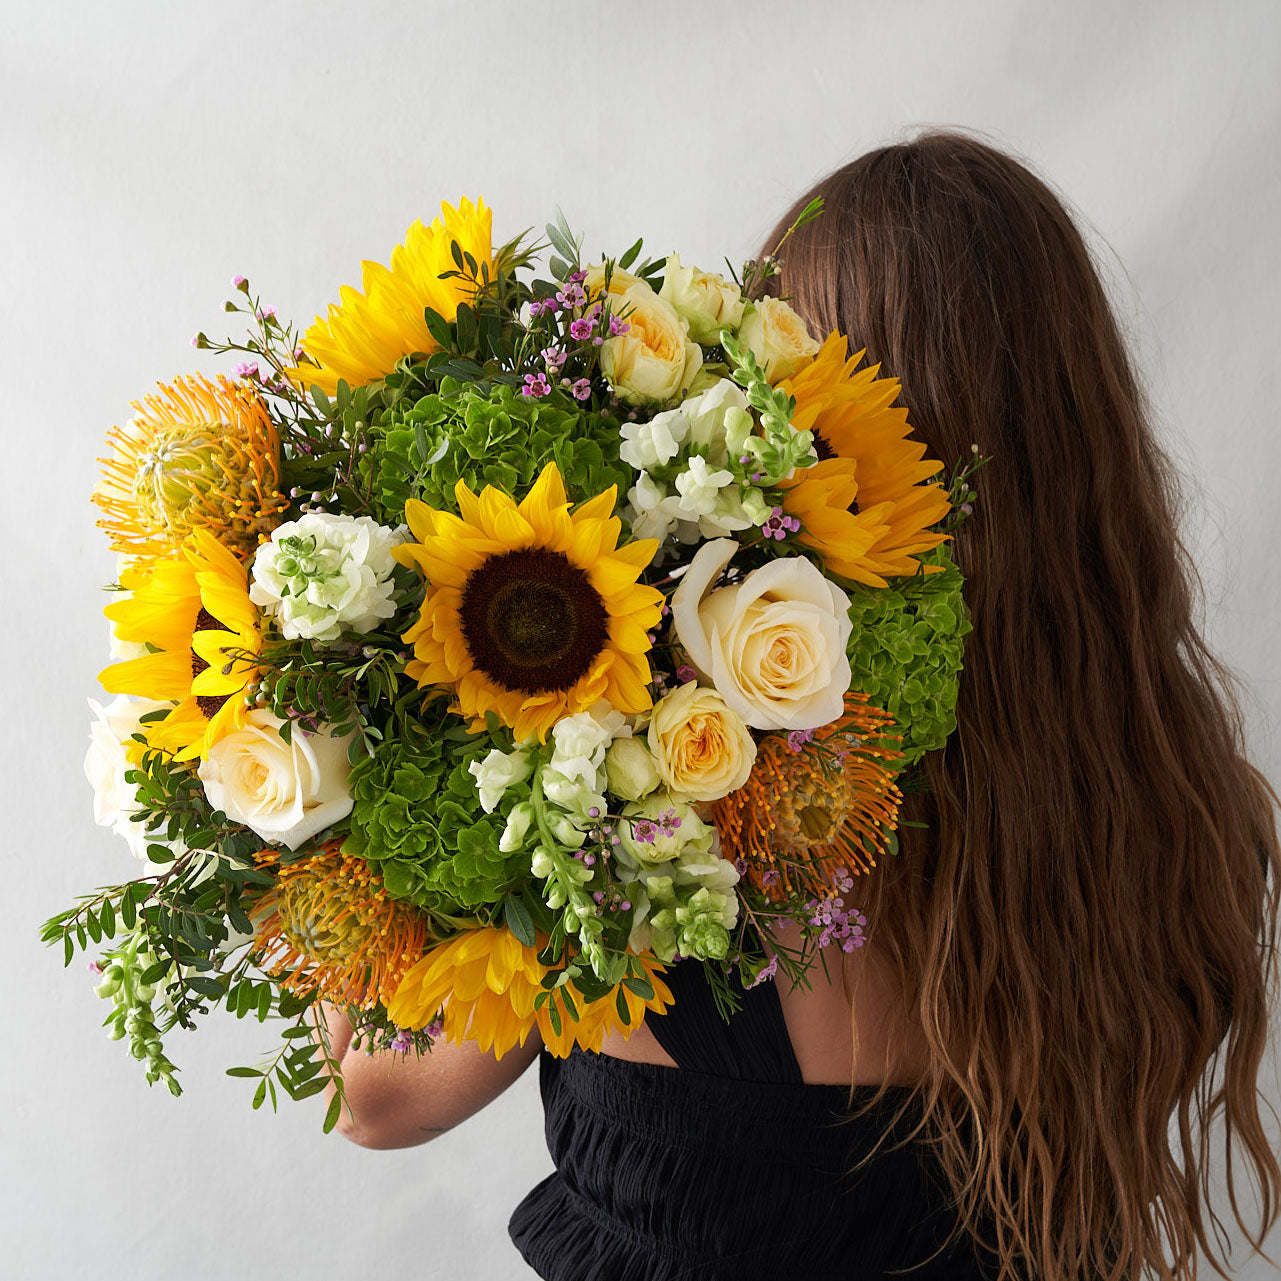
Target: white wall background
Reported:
[(149, 151)]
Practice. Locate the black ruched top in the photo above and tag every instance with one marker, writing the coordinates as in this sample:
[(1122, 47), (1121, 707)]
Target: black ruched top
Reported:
[(729, 1167)]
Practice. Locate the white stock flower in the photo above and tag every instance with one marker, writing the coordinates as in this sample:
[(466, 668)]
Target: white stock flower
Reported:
[(324, 574), (115, 799), (285, 792), (772, 644), (497, 772)]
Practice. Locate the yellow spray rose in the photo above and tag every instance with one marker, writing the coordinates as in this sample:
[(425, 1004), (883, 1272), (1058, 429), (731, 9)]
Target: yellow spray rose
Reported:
[(654, 360), (708, 302), (700, 747), (777, 337)]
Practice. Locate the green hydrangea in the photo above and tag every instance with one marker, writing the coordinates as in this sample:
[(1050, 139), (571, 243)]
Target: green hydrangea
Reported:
[(417, 819), (498, 438), (906, 651)]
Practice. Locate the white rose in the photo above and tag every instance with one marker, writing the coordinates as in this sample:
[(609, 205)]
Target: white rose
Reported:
[(629, 769), (497, 772), (655, 360), (700, 746), (285, 792), (708, 302), (773, 644), (324, 574), (777, 337), (115, 799)]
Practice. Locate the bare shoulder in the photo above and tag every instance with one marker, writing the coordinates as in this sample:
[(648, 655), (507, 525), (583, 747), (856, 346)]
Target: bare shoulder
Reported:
[(854, 988)]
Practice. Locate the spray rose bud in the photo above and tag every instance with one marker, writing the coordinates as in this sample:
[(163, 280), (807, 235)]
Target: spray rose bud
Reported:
[(707, 301), (630, 772)]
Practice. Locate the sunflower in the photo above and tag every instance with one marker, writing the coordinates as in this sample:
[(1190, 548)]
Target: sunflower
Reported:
[(813, 805), (487, 979), (531, 612), (327, 925), (368, 333), (197, 455), (863, 507), (194, 608)]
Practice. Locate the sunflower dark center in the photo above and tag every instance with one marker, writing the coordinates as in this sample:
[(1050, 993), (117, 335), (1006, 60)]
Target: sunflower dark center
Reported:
[(532, 620), (208, 703)]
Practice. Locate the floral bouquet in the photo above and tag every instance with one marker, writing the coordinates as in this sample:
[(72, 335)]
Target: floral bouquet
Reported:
[(500, 641)]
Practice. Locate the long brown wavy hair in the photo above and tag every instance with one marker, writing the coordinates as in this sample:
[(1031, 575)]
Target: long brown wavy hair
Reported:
[(1086, 929)]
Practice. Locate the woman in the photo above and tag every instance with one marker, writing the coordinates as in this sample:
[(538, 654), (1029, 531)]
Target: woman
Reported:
[(1076, 948)]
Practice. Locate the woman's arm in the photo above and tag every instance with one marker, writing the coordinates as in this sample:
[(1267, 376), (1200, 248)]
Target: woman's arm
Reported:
[(398, 1101)]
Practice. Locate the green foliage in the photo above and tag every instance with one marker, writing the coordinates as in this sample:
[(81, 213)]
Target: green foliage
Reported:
[(907, 648), (498, 438), (417, 819)]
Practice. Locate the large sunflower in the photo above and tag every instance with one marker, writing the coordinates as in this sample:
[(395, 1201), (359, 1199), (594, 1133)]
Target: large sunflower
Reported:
[(197, 455), (194, 608), (369, 332), (531, 612), (863, 506), (487, 979)]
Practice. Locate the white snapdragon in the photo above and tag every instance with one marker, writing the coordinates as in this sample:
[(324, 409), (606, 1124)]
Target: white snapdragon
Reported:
[(574, 777), (324, 574), (650, 444), (497, 772), (699, 487), (696, 445)]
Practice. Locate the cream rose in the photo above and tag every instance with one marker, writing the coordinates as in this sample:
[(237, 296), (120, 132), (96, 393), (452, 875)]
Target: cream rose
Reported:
[(701, 747), (777, 337), (773, 645), (285, 792), (708, 302), (654, 360)]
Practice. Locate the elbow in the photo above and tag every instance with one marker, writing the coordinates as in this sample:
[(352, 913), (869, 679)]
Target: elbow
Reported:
[(367, 1128)]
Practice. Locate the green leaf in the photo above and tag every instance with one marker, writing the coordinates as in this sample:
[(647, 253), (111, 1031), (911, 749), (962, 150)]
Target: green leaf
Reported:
[(69, 948), (127, 913), (264, 1002), (206, 987), (438, 327), (308, 1088), (91, 924), (630, 256), (260, 1093), (244, 1071), (639, 985), (154, 973), (332, 1113), (624, 1014), (519, 920), (108, 917)]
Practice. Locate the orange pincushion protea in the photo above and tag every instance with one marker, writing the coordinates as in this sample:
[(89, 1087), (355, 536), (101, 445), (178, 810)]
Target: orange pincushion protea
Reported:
[(328, 925), (812, 807), (197, 455)]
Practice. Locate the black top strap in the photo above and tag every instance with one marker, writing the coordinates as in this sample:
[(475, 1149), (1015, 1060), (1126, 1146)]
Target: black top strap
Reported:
[(752, 1046)]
